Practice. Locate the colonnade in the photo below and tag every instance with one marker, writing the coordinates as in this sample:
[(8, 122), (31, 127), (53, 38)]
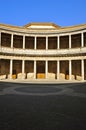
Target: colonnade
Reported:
[(54, 41), (46, 69), (46, 37)]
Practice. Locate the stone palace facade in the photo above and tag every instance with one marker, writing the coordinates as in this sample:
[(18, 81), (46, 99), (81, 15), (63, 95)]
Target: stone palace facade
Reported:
[(43, 51)]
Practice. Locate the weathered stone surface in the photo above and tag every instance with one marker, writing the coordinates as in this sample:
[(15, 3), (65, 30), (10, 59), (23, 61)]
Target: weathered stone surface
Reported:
[(14, 76), (40, 76), (78, 77), (2, 76), (30, 75), (51, 76), (9, 76), (21, 75), (61, 76), (72, 77)]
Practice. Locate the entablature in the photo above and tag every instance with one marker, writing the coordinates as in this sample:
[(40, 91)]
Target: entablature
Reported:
[(43, 31), (31, 52), (43, 58)]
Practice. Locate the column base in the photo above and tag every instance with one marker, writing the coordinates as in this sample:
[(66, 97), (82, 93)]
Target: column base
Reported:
[(21, 75), (9, 76)]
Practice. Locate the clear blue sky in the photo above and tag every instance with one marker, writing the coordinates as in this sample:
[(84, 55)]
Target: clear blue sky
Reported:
[(61, 12)]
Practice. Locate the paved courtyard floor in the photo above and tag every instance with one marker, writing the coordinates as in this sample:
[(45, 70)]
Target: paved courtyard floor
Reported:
[(42, 106)]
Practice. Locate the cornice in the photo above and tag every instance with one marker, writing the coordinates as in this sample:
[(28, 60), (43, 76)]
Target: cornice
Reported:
[(55, 30)]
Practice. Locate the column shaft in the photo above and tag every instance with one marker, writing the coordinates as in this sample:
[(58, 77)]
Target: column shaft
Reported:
[(82, 40), (58, 69), (70, 70), (24, 42), (34, 69), (11, 68), (35, 43), (58, 43), (46, 68), (46, 43), (82, 69), (69, 41), (23, 66), (11, 40)]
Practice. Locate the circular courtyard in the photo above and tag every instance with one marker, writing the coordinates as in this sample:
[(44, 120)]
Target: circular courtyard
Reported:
[(42, 106)]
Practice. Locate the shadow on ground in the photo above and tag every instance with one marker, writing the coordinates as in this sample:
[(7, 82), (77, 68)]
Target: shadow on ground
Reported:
[(56, 112)]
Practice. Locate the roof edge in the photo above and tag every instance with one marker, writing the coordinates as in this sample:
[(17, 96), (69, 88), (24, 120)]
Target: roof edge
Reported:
[(42, 23)]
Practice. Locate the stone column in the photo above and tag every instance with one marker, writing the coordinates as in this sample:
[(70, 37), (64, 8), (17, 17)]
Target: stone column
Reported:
[(35, 43), (70, 70), (11, 40), (23, 66), (69, 41), (11, 68), (82, 40), (46, 42), (34, 69), (82, 69), (24, 42), (46, 69), (23, 69), (58, 43), (58, 70)]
